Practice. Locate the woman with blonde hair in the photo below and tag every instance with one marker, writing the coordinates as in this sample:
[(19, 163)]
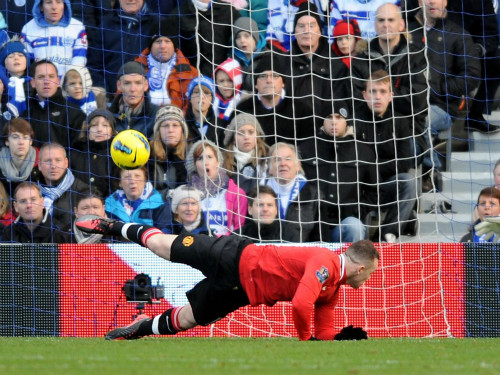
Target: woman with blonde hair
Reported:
[(246, 151), (168, 149)]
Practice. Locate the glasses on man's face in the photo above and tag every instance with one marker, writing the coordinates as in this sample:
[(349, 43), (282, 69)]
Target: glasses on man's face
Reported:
[(264, 76)]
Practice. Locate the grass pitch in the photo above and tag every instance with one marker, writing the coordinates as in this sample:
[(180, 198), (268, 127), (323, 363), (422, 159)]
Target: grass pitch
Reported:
[(193, 356)]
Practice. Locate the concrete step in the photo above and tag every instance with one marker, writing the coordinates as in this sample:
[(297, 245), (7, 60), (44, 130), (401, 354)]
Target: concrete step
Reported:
[(488, 143), (474, 162), (450, 225), (465, 181)]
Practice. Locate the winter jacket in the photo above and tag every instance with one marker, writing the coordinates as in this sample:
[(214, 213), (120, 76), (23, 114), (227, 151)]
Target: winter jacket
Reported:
[(289, 121), (90, 162), (237, 206), (143, 121), (122, 37), (152, 211), (302, 216), (407, 68), (389, 138), (319, 79), (169, 174), (454, 69), (178, 228), (45, 232), (63, 44), (345, 172), (210, 29), (178, 80), (249, 66), (262, 232), (57, 121), (214, 132)]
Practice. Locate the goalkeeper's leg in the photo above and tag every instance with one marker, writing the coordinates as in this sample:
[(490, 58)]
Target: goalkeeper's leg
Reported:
[(172, 321), (144, 235)]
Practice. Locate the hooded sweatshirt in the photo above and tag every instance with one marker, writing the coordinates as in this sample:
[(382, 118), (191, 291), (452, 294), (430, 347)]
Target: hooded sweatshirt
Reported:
[(64, 43)]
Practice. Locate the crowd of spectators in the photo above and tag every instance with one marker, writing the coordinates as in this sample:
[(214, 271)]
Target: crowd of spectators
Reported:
[(282, 120)]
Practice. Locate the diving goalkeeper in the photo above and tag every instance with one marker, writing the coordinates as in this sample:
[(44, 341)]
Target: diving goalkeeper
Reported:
[(238, 272)]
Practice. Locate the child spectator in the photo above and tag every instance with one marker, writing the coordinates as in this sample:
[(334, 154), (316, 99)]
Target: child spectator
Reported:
[(246, 151), (488, 204), (228, 79), (89, 157), (77, 87), (200, 116), (346, 36), (248, 47), (187, 210), (169, 149), (53, 35), (263, 224), (14, 57), (18, 157), (225, 204), (138, 201), (169, 71)]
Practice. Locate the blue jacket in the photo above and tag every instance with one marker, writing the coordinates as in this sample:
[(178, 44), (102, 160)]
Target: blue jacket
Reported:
[(152, 211)]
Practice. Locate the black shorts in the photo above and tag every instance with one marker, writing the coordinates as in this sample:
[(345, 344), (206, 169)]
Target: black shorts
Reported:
[(220, 293)]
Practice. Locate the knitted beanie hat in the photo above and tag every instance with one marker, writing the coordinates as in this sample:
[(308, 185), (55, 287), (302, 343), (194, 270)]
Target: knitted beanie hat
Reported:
[(343, 27), (246, 24), (170, 112), (102, 113), (12, 46), (84, 75), (307, 9), (182, 192), (238, 121), (233, 69), (201, 80), (190, 162)]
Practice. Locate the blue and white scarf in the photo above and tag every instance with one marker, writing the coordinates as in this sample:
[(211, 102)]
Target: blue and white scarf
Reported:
[(157, 78), (223, 109), (52, 193), (16, 92), (287, 193), (130, 206), (87, 104)]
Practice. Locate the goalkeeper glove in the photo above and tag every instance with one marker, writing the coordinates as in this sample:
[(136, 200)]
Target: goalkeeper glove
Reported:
[(351, 333), (489, 228)]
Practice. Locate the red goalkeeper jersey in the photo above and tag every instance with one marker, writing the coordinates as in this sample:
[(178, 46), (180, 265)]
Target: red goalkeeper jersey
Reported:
[(310, 277)]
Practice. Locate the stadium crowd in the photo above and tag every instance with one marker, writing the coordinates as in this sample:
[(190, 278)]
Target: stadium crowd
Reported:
[(277, 120)]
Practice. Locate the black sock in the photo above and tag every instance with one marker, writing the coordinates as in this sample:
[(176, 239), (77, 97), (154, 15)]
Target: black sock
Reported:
[(166, 324), (138, 233)]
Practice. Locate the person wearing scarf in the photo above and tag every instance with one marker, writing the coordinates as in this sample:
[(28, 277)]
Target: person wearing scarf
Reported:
[(224, 204), (228, 79), (18, 157), (77, 88), (138, 202), (185, 201), (57, 183), (168, 70), (298, 200), (14, 60), (346, 39), (246, 152)]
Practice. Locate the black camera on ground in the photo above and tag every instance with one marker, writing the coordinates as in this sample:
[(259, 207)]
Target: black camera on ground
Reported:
[(140, 289)]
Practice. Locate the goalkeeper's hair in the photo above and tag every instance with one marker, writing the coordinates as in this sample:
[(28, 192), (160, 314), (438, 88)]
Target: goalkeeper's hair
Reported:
[(362, 252)]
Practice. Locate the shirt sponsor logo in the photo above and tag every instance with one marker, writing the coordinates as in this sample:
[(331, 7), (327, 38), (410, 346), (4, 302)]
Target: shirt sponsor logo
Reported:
[(188, 241), (322, 274)]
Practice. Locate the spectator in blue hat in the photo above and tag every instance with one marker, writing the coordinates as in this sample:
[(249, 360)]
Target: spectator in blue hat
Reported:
[(14, 60), (200, 116)]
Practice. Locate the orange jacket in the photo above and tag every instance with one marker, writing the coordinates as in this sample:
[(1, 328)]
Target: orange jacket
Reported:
[(178, 80)]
